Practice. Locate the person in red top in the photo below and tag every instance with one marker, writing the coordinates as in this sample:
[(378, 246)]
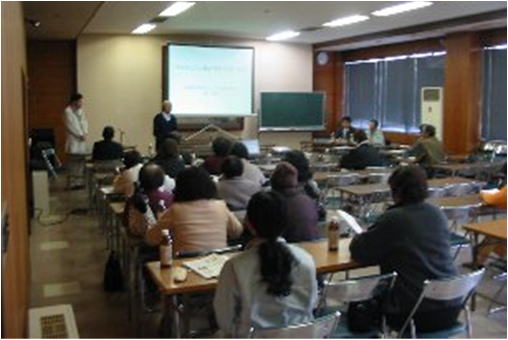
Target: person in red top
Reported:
[(221, 148)]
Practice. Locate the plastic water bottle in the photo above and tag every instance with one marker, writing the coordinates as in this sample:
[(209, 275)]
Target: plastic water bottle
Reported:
[(166, 249), (333, 235)]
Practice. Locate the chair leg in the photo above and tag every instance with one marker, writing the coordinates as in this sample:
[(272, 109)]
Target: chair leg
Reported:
[(412, 328), (469, 325)]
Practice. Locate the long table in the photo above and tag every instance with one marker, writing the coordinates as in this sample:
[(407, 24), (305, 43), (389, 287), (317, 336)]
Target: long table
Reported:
[(454, 169), (325, 260)]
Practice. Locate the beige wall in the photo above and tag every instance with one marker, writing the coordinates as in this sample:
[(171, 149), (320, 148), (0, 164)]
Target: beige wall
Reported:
[(121, 79)]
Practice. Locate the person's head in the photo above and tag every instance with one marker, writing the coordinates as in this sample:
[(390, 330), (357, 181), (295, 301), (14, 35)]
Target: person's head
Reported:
[(108, 133), (131, 158), (232, 167), (373, 125), (359, 136), (194, 184), (267, 218), (221, 146), (76, 100), (297, 159), (168, 149), (240, 150), (427, 131), (285, 176), (408, 185), (345, 122), (176, 136), (151, 177), (167, 106)]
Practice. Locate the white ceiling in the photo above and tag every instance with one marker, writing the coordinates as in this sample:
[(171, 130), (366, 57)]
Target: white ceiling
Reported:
[(256, 20)]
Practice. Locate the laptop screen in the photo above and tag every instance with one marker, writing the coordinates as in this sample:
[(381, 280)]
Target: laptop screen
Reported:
[(252, 146)]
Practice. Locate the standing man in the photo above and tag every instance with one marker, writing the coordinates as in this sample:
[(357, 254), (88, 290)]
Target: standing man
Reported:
[(163, 124), (76, 125)]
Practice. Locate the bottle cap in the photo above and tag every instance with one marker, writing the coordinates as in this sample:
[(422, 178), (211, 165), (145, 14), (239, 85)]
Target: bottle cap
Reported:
[(165, 232)]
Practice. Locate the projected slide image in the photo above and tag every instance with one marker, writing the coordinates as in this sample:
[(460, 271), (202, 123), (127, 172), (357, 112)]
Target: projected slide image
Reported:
[(210, 80)]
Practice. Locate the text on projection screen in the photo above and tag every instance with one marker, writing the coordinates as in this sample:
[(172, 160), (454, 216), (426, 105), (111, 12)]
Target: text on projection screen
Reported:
[(210, 80)]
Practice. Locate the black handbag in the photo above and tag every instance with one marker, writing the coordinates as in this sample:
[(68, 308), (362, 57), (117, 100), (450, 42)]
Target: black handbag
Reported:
[(113, 278), (364, 316)]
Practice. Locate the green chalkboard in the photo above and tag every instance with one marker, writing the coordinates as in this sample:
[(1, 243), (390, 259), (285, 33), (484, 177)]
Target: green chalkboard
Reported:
[(283, 111)]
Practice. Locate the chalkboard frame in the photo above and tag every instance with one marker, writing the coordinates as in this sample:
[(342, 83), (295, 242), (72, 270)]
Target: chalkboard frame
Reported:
[(292, 129)]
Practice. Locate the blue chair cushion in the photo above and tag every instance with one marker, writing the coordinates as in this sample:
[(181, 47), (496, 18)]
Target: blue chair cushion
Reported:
[(342, 331), (456, 329), (458, 240)]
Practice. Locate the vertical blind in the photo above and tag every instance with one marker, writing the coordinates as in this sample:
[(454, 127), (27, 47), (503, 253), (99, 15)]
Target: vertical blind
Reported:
[(494, 94), (388, 89)]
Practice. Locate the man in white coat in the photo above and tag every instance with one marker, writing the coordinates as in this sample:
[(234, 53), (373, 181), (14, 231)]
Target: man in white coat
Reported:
[(77, 130)]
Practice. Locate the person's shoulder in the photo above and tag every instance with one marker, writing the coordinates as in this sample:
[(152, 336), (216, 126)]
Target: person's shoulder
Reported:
[(301, 255)]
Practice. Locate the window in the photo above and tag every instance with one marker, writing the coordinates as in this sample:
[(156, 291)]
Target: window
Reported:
[(388, 89), (494, 93)]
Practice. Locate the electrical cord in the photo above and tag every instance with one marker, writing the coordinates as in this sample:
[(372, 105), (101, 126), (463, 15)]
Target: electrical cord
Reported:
[(39, 213)]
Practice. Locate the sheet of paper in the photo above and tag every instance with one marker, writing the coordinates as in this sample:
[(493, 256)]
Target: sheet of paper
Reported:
[(350, 221), (208, 266)]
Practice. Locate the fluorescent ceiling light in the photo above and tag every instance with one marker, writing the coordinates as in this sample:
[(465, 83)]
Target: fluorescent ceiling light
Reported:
[(405, 7), (144, 28), (176, 8), (283, 35), (353, 19), (496, 47)]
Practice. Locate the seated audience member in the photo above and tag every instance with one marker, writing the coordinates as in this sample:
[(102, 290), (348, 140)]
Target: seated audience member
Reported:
[(271, 283), (496, 198), (148, 201), (184, 155), (427, 150), (168, 157), (197, 220), (297, 159), (374, 134), (303, 220), (221, 148), (412, 239), (125, 181), (363, 155), (250, 171), (232, 187), (345, 130), (107, 149)]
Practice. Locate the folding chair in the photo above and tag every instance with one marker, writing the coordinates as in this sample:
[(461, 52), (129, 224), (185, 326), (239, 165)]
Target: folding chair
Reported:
[(355, 290), (320, 328), (459, 287), (460, 189)]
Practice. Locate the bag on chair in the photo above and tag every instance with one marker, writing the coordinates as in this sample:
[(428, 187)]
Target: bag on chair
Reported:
[(113, 278)]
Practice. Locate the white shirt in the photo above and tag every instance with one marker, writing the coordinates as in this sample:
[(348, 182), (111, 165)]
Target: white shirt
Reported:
[(77, 126), (253, 173), (167, 116), (241, 300)]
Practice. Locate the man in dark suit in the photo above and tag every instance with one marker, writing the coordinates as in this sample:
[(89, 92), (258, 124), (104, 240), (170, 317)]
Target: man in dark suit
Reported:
[(107, 149), (363, 155), (345, 130), (164, 123)]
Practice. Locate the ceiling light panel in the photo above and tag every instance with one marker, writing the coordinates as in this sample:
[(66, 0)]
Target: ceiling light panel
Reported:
[(176, 8), (353, 19), (283, 35), (402, 8), (143, 29)]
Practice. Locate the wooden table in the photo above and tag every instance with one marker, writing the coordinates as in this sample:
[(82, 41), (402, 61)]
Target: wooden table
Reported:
[(455, 169), (326, 262), (473, 201)]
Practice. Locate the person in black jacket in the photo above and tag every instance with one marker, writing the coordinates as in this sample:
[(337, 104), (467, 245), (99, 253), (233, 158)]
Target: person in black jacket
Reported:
[(345, 130), (363, 155), (412, 239), (107, 149), (164, 123), (169, 159)]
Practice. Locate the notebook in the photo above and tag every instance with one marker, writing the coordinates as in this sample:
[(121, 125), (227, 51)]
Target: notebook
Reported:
[(209, 266), (351, 222)]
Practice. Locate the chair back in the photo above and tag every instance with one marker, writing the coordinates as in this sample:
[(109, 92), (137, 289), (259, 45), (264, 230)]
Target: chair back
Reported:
[(320, 328), (436, 192), (359, 289), (187, 254), (450, 289), (340, 180), (459, 214), (107, 166)]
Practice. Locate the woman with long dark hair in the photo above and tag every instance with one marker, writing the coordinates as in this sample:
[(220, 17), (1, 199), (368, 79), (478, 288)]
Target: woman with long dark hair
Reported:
[(272, 283)]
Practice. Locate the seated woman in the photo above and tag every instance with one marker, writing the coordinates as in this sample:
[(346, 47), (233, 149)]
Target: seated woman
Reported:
[(250, 171), (107, 149), (148, 201), (303, 220), (297, 159), (168, 157), (124, 182), (197, 220), (233, 187), (272, 283), (221, 148), (412, 239)]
